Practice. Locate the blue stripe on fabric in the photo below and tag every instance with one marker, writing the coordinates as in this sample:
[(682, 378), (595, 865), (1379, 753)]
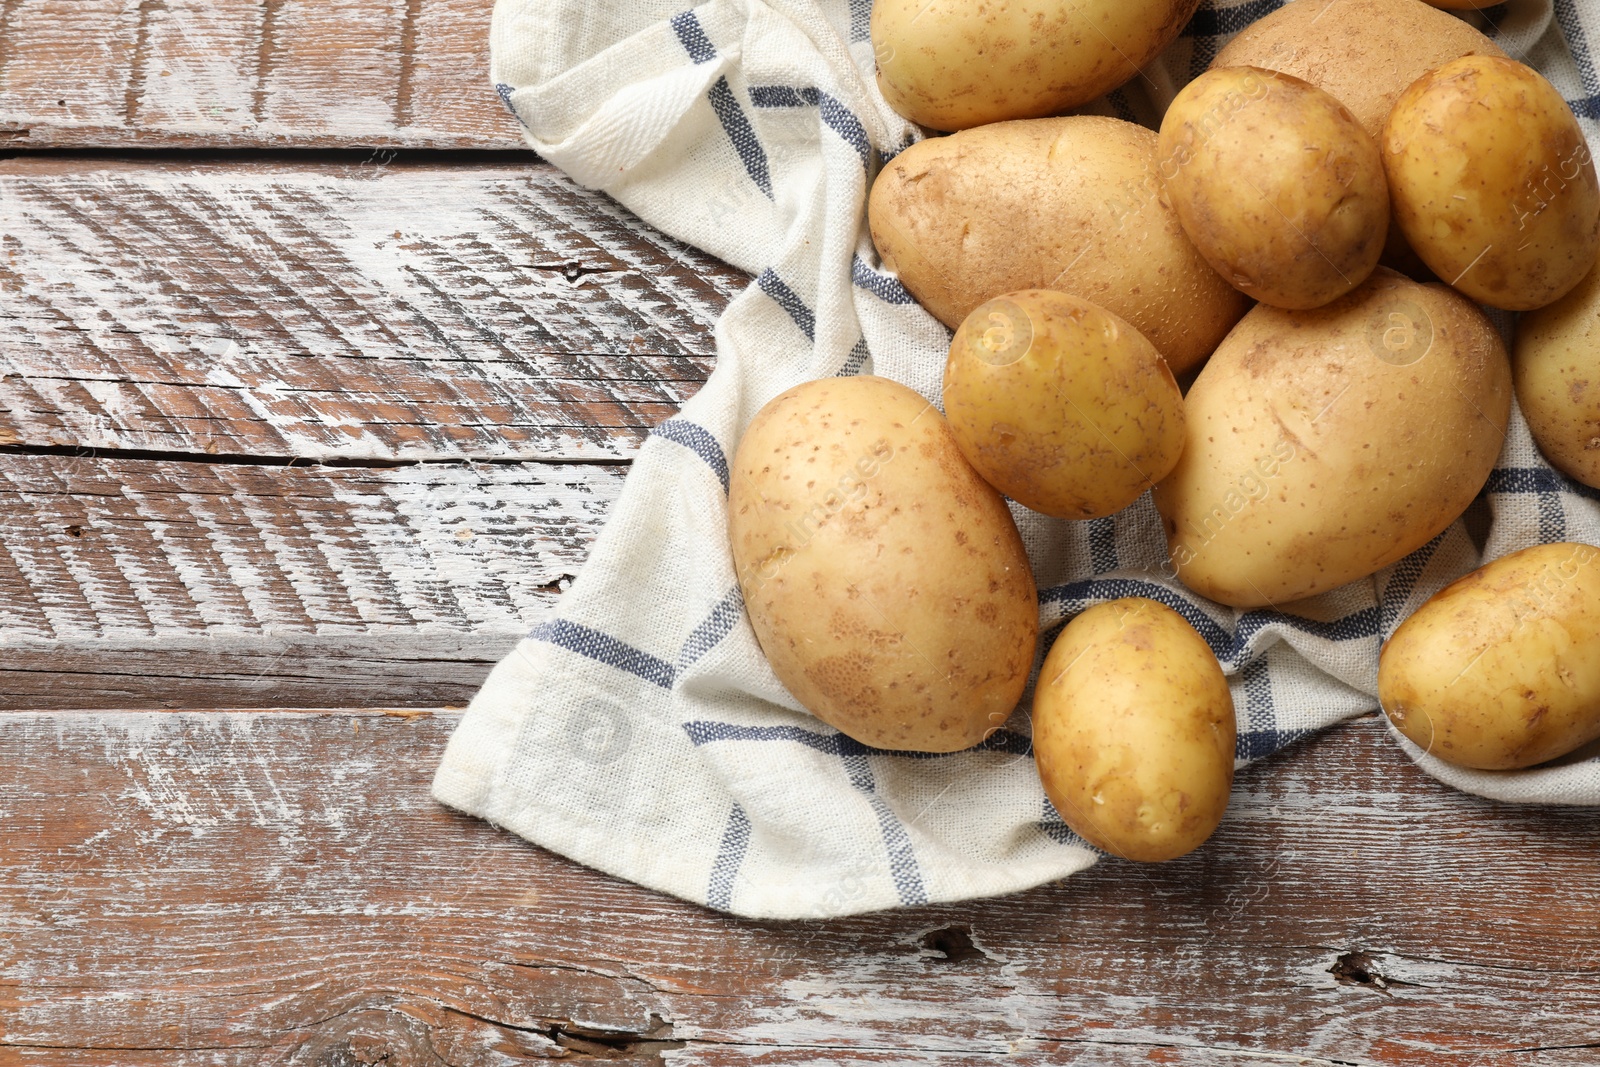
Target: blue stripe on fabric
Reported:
[(896, 840), (504, 92), (1536, 480), (838, 118), (737, 126), (1552, 518), (730, 856), (860, 20), (1353, 627), (1259, 722), (698, 440), (856, 362), (1056, 828), (781, 96), (708, 731), (885, 288), (1228, 648), (1572, 30), (1114, 588), (786, 298), (842, 121), (1103, 545), (1403, 580), (712, 629), (575, 637), (692, 35)]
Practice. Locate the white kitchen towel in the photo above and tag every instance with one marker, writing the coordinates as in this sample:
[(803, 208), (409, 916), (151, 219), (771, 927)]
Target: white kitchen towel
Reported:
[(638, 729)]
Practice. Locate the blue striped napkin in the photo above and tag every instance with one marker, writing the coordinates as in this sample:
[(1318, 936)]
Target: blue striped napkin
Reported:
[(638, 729)]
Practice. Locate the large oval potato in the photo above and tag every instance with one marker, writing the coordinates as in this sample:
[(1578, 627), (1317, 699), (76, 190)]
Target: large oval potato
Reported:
[(1061, 405), (951, 64), (1324, 445), (1501, 669), (1071, 204), (1363, 53), (1556, 365), (1276, 183), (1492, 182), (885, 580), (1134, 732)]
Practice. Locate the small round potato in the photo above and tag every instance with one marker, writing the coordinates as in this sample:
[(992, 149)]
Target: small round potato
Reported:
[(1557, 370), (1061, 405), (1492, 182), (885, 580), (952, 64), (1133, 731), (1072, 204), (1501, 669), (1276, 183)]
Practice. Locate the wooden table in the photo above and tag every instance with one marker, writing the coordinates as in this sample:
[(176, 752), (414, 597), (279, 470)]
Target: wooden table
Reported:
[(315, 388)]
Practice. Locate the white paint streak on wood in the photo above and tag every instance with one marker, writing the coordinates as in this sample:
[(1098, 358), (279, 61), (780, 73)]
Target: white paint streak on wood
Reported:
[(190, 72), (400, 312), (120, 548)]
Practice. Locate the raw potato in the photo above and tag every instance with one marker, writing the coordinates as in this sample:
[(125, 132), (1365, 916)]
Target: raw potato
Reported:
[(1133, 731), (1492, 182), (1363, 53), (1276, 183), (1557, 371), (1501, 669), (885, 580), (951, 64), (1324, 445), (1061, 405), (1071, 204)]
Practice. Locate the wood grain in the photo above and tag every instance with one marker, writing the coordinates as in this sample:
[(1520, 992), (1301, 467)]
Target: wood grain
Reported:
[(160, 582), (249, 73), (374, 311), (224, 888)]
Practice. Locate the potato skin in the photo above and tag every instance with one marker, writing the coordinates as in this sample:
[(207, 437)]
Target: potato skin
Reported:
[(1061, 405), (885, 580), (1363, 53), (1324, 445), (1276, 184), (952, 64), (1501, 669), (1071, 204), (1556, 366), (1492, 182), (1134, 732)]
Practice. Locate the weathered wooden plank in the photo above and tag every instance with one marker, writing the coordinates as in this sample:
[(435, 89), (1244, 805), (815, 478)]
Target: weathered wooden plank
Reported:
[(383, 311), (168, 581), (220, 888), (280, 73)]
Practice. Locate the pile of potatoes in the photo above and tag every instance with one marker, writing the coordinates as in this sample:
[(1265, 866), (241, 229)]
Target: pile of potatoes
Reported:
[(1304, 244)]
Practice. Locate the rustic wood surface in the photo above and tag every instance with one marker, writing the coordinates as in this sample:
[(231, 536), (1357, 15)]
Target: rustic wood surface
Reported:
[(248, 888), (329, 430), (364, 311), (249, 73)]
